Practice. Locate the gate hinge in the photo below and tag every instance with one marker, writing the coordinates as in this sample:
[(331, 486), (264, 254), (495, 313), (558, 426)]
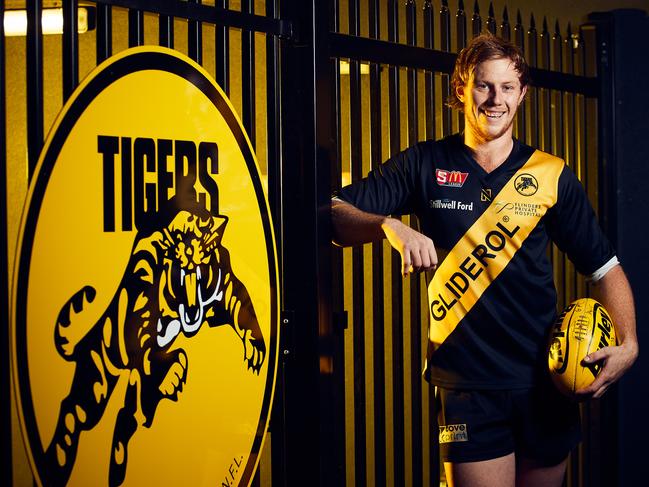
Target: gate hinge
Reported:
[(286, 320), (286, 31)]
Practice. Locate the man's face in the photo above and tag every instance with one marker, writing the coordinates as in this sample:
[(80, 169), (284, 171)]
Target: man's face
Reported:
[(491, 98)]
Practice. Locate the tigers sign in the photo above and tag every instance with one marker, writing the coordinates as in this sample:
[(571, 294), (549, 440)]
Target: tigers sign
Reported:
[(145, 306)]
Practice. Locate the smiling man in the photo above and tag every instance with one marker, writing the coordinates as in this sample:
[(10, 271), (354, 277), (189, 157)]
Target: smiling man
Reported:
[(488, 205)]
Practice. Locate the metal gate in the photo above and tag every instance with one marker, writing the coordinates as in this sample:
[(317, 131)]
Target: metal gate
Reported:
[(326, 90), (237, 42)]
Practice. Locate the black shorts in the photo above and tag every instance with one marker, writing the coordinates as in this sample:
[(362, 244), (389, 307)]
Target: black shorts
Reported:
[(538, 424)]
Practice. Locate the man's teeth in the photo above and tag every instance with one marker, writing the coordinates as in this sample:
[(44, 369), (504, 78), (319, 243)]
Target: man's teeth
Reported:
[(494, 114)]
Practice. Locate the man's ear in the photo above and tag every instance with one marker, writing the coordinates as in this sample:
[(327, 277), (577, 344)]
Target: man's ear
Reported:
[(459, 93), (523, 92)]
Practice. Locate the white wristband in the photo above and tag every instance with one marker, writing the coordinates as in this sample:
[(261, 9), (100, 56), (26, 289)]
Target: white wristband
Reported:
[(601, 272)]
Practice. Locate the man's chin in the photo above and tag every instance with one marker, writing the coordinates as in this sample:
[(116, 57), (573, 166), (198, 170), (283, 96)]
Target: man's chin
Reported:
[(496, 132)]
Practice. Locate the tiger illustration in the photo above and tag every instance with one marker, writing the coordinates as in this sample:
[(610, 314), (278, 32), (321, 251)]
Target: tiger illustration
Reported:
[(178, 278)]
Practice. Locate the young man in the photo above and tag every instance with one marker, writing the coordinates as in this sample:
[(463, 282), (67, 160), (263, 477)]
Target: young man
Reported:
[(488, 205)]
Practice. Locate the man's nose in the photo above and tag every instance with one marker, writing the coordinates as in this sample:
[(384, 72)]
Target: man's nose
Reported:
[(496, 96)]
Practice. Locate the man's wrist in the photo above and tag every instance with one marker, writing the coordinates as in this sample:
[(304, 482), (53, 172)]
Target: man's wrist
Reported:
[(631, 347), (388, 223)]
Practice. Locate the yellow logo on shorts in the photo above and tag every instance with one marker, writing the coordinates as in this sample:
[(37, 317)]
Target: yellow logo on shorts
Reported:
[(452, 433)]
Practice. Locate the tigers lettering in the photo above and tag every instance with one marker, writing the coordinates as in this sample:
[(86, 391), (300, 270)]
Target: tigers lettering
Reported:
[(178, 279), (146, 181)]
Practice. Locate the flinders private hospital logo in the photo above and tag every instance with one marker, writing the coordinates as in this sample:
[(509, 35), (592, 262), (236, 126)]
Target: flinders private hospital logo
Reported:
[(145, 300)]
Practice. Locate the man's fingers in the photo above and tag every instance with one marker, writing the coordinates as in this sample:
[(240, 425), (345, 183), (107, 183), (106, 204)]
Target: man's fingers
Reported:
[(419, 260), (405, 267), (596, 356), (432, 255), (425, 260)]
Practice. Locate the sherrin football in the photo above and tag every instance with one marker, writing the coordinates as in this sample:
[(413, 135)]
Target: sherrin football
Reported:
[(582, 328)]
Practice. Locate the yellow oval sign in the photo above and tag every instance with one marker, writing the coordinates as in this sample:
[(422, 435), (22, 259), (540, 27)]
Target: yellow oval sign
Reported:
[(145, 310)]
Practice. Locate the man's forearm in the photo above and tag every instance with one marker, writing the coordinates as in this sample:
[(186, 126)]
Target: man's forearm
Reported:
[(352, 226), (614, 292)]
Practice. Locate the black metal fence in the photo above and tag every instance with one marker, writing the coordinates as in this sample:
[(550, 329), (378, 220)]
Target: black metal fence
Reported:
[(238, 44), (326, 90)]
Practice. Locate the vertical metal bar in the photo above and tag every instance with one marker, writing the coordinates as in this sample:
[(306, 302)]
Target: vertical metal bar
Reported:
[(592, 413), (609, 140), (195, 38), (558, 149), (557, 49), (397, 284), (378, 326), (277, 425), (546, 102), (476, 20), (519, 40), (135, 28), (275, 187), (445, 38), (166, 31), (533, 95), (491, 20), (415, 280), (460, 26), (571, 153), (104, 32), (580, 101), (429, 92), (222, 50), (460, 39), (273, 125), (337, 253), (6, 464), (332, 456), (306, 275), (248, 74), (429, 77), (70, 47), (34, 83), (505, 28), (358, 264)]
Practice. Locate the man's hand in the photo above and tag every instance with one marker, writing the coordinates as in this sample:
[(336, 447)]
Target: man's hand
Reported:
[(615, 360), (614, 292), (417, 250)]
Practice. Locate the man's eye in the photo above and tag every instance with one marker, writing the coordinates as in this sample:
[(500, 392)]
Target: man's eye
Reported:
[(508, 88)]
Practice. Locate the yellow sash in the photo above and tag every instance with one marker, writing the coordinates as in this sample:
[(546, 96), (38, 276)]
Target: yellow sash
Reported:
[(491, 243)]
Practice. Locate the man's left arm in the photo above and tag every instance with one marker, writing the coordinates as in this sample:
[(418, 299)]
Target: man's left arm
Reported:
[(614, 292)]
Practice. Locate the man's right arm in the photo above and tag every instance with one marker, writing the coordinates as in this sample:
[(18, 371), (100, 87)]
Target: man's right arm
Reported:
[(352, 226)]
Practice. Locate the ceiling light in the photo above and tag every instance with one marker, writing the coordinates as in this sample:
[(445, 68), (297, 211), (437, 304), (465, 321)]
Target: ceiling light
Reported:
[(15, 21)]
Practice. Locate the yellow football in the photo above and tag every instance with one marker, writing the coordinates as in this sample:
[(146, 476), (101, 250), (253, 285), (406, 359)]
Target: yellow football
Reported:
[(582, 328)]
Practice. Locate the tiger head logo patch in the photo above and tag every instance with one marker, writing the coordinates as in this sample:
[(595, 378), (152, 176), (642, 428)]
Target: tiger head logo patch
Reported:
[(144, 333)]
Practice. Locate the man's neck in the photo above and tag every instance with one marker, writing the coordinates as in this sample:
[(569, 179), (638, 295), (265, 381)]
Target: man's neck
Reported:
[(489, 154)]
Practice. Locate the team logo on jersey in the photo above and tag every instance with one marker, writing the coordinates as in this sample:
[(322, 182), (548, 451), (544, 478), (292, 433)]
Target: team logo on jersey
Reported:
[(452, 433), (453, 179), (145, 300), (485, 194), (526, 184)]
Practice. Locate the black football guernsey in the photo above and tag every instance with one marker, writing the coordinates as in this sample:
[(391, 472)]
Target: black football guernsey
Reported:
[(492, 299)]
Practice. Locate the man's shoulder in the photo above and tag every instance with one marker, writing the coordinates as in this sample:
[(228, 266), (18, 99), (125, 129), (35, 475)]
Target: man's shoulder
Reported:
[(449, 143), (539, 154)]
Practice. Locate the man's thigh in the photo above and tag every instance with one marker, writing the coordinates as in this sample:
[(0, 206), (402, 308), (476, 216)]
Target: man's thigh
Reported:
[(497, 472)]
